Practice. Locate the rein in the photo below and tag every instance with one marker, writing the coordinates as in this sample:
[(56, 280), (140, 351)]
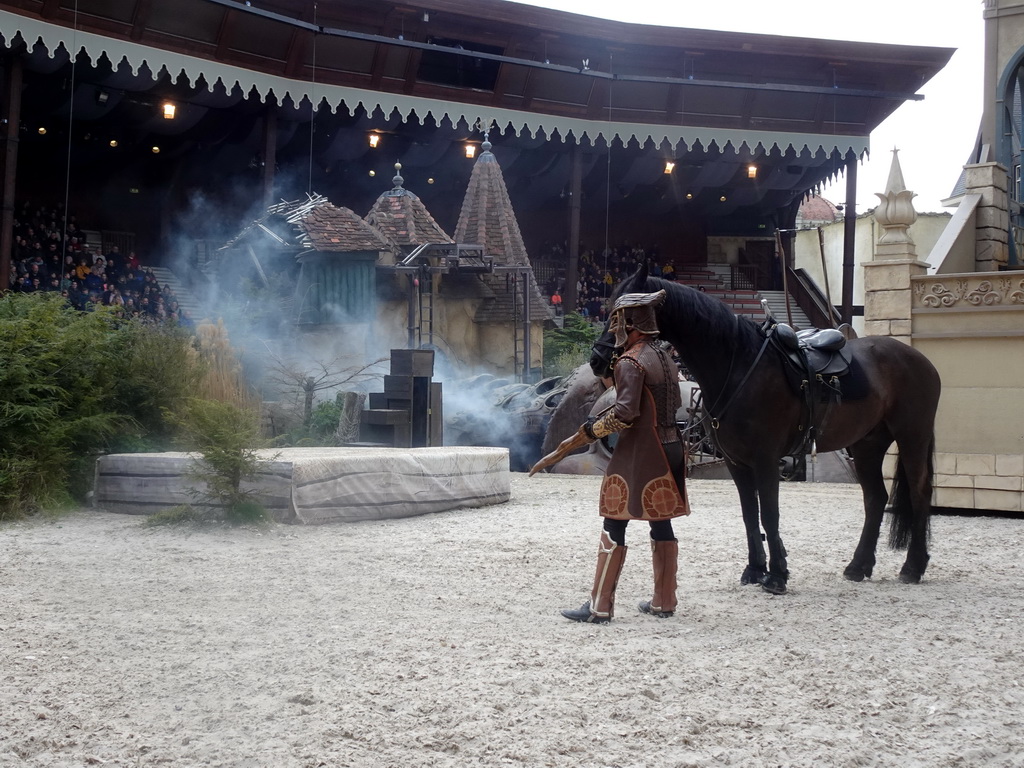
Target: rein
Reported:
[(714, 420), (739, 387)]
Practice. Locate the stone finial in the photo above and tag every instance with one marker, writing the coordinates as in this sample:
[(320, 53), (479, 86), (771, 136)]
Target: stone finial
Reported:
[(398, 180), (895, 213), (486, 146)]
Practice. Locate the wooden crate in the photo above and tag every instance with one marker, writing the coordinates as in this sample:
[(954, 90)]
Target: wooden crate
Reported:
[(412, 362)]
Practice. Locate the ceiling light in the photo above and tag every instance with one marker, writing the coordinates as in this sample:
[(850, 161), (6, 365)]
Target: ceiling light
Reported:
[(113, 142), (470, 151), (102, 97), (722, 199), (669, 166), (155, 150), (430, 180), (751, 171), (374, 140), (689, 195), (373, 173), (42, 131), (169, 110)]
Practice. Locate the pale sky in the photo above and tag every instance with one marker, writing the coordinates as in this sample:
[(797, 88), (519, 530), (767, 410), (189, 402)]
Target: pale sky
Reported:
[(934, 136)]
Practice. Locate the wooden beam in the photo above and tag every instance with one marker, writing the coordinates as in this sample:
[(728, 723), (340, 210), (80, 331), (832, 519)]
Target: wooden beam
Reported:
[(227, 24), (394, 25), (297, 46), (512, 48), (598, 105), (50, 9), (139, 18)]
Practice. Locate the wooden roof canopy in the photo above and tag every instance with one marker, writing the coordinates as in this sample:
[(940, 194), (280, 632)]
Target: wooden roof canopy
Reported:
[(427, 74)]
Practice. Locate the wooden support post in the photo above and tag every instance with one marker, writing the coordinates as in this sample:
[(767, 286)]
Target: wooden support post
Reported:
[(849, 235), (570, 298), (12, 118)]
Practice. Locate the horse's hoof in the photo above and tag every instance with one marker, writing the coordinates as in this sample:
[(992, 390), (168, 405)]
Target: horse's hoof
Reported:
[(853, 573), (753, 576), (774, 585), (910, 578)]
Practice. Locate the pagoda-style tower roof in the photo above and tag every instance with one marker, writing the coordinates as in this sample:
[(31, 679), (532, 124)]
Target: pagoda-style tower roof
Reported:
[(403, 220), (487, 218)]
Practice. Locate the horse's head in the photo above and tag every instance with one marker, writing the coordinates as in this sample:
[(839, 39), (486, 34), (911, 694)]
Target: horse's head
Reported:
[(604, 351)]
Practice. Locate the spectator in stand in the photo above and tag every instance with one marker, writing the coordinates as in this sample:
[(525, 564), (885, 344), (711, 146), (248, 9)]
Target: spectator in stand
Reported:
[(94, 280), (556, 302), (20, 249), (74, 230), (115, 262), (36, 272), (133, 262)]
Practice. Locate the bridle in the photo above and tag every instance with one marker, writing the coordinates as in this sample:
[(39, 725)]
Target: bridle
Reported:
[(605, 352)]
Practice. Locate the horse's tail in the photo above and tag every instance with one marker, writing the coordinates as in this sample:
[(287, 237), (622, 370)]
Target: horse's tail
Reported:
[(903, 517)]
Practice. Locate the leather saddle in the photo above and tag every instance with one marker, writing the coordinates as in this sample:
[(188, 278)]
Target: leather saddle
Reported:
[(816, 358)]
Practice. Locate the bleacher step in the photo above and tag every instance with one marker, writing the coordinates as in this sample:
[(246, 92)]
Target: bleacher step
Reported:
[(185, 297)]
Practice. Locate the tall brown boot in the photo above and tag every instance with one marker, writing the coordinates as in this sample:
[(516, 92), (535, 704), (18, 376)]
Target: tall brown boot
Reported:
[(665, 556), (601, 606)]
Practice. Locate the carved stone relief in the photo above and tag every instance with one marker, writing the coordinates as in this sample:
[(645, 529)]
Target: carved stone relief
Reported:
[(948, 292)]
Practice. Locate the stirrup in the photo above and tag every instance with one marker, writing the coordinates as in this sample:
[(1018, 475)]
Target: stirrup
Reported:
[(585, 615), (645, 607)]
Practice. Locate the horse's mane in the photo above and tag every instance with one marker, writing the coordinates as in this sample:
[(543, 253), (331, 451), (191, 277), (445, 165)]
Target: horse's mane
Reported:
[(687, 310)]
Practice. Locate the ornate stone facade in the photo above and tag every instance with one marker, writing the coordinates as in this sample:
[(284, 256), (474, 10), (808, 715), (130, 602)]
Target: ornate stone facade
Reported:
[(958, 291), (971, 326)]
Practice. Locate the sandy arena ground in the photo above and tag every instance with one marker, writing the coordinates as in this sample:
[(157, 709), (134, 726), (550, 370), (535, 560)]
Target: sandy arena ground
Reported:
[(436, 641)]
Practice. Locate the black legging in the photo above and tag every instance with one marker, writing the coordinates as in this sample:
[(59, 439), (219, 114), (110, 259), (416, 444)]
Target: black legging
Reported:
[(661, 530)]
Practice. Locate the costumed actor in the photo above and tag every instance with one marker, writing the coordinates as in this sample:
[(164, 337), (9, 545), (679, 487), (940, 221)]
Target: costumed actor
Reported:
[(645, 478)]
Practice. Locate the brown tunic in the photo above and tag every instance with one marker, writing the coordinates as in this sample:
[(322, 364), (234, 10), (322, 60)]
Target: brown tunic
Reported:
[(640, 482)]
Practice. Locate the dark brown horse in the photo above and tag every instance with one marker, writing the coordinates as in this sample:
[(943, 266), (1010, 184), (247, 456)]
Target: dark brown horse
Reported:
[(890, 395)]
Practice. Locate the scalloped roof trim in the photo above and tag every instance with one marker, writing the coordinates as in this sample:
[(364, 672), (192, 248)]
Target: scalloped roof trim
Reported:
[(532, 124)]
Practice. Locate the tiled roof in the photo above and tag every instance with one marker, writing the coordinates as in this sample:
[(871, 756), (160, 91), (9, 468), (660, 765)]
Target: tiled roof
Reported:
[(329, 228), (487, 219), (403, 220), (314, 223), (817, 210)]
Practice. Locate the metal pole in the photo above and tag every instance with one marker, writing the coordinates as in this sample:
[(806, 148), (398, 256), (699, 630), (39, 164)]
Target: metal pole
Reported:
[(527, 370), (849, 235), (824, 270), (269, 154), (413, 280), (785, 269)]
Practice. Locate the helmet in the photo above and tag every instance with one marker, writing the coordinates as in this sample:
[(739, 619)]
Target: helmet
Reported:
[(635, 311)]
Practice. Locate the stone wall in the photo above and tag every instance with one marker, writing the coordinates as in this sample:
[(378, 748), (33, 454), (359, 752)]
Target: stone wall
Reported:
[(971, 326)]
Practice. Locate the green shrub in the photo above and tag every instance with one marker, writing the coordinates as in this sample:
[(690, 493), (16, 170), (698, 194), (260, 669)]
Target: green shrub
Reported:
[(568, 347), (75, 385), (179, 515), (227, 436)]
